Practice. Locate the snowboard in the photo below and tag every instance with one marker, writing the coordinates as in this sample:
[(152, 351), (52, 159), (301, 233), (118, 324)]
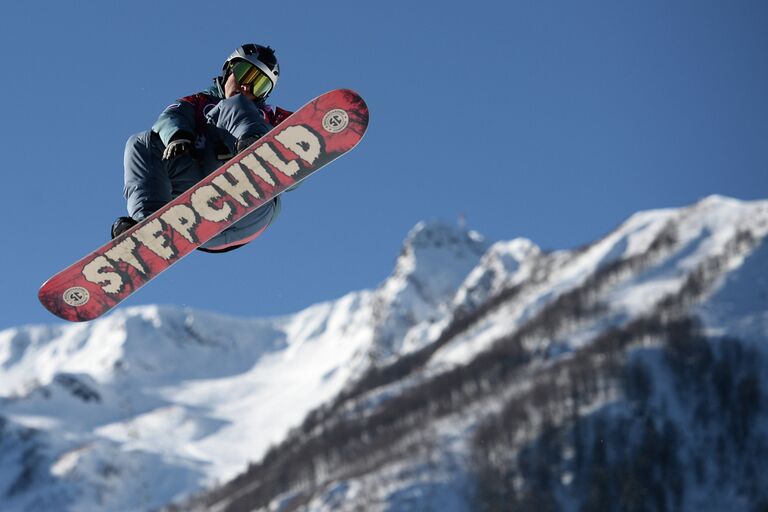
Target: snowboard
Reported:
[(313, 136)]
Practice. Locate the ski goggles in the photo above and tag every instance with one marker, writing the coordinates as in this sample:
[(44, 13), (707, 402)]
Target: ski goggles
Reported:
[(248, 74)]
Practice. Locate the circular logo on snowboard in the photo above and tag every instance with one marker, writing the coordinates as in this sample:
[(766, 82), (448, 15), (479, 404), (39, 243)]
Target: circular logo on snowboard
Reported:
[(335, 120), (76, 296)]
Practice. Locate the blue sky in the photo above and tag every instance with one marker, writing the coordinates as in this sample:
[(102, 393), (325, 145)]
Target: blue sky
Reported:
[(549, 120)]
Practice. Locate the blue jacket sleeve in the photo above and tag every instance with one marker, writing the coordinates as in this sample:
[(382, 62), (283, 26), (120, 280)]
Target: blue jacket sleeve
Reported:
[(178, 117), (239, 117)]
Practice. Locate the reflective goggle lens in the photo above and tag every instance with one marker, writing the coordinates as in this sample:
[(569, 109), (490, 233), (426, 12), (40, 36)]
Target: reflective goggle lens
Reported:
[(248, 74)]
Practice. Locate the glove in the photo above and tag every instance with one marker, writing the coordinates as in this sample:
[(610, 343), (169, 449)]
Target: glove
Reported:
[(223, 153), (177, 147), (245, 141)]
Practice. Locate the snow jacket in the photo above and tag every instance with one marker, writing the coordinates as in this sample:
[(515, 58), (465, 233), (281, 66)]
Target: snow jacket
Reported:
[(188, 115)]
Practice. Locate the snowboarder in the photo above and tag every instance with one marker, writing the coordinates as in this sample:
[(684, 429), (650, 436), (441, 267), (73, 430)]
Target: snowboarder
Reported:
[(196, 135)]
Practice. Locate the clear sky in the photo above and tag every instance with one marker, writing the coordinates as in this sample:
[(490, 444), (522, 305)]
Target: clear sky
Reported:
[(543, 119)]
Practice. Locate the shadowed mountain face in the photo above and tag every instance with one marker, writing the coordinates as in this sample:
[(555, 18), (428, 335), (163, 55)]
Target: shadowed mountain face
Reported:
[(626, 375)]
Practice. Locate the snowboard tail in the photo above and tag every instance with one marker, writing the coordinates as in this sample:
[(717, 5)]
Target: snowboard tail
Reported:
[(313, 136)]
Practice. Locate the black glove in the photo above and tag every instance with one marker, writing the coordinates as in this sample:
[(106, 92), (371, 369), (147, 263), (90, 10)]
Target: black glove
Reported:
[(180, 144), (245, 141), (223, 152)]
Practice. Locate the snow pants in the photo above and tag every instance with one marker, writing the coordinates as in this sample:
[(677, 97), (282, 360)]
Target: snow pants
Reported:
[(151, 182)]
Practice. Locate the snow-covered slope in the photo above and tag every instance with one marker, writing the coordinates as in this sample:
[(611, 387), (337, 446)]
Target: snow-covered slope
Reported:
[(594, 379), (151, 404)]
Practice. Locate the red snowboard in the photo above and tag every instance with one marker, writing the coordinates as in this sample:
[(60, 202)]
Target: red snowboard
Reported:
[(319, 132)]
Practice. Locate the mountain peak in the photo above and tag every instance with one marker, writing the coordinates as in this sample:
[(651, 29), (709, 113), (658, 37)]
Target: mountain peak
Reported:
[(435, 259), (441, 235)]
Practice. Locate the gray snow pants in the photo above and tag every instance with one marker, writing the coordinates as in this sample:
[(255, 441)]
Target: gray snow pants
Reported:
[(151, 182)]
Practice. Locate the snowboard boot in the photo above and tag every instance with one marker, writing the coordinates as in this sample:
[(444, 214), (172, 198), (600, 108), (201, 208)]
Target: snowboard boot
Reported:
[(121, 225)]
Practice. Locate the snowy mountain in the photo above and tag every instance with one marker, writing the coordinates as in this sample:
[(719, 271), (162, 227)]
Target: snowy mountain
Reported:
[(152, 403), (132, 411), (628, 374)]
